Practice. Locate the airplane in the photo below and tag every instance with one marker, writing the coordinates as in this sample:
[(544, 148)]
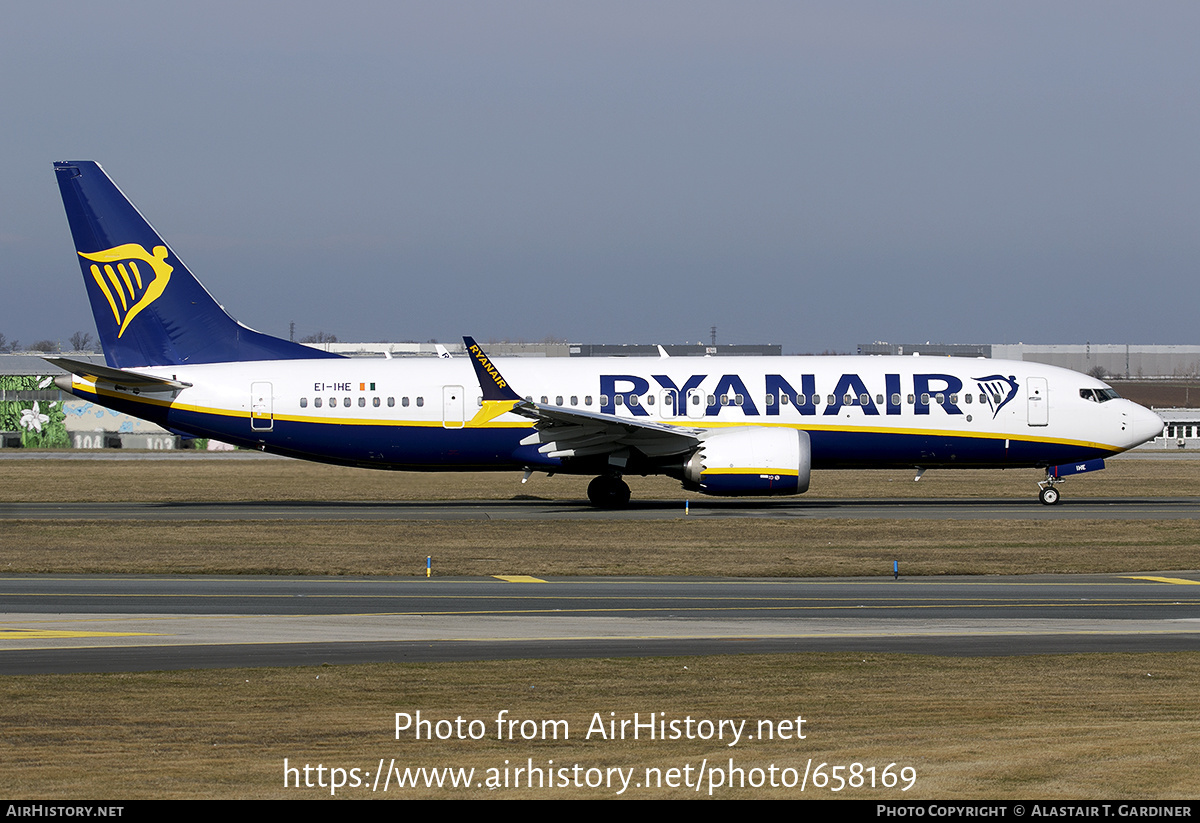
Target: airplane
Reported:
[(722, 426)]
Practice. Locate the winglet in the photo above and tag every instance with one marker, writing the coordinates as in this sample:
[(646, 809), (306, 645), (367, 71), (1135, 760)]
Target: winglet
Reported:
[(494, 386), (498, 396)]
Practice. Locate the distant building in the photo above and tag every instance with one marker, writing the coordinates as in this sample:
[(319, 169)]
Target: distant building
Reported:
[(552, 349), (1182, 430), (928, 349), (430, 349), (674, 350), (35, 413), (1105, 360)]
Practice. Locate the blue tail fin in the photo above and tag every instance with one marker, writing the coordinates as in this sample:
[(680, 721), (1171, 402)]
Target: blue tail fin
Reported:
[(149, 309)]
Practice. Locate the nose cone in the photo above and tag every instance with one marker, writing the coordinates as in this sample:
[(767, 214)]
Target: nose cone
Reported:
[(1140, 424)]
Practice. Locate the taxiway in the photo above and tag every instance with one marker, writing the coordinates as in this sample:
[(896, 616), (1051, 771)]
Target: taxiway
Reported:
[(114, 623)]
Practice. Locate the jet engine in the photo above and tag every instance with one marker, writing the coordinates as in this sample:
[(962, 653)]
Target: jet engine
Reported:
[(750, 461)]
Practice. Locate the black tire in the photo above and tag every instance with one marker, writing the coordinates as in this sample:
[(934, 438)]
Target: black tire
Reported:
[(1048, 496), (608, 493)]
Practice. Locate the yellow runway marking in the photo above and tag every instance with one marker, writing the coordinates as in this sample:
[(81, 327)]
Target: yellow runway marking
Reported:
[(46, 634), (518, 578), (1177, 580)]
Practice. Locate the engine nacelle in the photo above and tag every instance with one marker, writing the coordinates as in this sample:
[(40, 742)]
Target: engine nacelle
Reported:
[(751, 461)]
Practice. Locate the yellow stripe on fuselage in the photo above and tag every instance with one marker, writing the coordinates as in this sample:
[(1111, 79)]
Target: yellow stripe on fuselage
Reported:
[(736, 470), (491, 423)]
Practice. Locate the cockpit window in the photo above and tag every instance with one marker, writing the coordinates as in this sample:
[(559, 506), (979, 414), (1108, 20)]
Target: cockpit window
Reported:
[(1099, 395)]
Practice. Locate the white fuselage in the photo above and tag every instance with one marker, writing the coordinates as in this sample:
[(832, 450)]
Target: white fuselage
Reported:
[(858, 411)]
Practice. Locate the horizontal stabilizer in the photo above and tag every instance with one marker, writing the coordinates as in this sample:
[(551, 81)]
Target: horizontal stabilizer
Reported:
[(117, 377)]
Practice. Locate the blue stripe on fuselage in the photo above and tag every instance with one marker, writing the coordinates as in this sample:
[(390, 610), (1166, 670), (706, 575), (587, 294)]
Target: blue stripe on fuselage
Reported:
[(395, 445)]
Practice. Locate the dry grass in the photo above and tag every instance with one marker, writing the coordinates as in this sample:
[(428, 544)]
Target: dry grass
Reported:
[(751, 546), (741, 547), (1080, 726), (217, 480)]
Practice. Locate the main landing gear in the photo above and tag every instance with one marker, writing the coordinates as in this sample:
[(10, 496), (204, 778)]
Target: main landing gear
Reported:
[(1048, 494), (608, 492)]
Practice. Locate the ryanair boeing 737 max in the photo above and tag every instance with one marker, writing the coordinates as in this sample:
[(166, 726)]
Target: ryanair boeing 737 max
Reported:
[(726, 426)]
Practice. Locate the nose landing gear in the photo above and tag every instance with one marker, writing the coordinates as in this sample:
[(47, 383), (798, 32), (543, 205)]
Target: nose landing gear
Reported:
[(1048, 494)]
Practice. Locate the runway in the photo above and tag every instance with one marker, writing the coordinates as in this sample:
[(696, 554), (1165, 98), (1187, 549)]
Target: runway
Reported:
[(1150, 508), (113, 623)]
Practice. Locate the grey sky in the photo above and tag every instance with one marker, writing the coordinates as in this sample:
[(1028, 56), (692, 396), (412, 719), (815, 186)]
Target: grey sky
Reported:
[(812, 174)]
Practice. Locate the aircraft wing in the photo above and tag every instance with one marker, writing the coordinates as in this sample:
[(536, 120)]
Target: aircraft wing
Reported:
[(117, 377), (564, 432)]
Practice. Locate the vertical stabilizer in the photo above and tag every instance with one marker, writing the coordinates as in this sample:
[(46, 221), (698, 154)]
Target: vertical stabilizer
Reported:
[(149, 309)]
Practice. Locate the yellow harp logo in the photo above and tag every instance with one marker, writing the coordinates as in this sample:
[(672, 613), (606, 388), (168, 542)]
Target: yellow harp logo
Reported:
[(126, 290)]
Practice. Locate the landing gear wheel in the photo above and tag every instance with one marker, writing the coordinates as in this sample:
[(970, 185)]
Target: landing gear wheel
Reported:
[(1048, 496), (608, 493)]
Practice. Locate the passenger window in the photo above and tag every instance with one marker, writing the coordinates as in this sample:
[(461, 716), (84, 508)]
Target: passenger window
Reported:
[(896, 400), (633, 399), (558, 400), (346, 402), (925, 399), (587, 400), (404, 402), (724, 400), (832, 399), (941, 399), (304, 402), (333, 402), (864, 399), (317, 402), (783, 399), (911, 399), (545, 400), (362, 402), (391, 402), (712, 400), (770, 400), (619, 399), (649, 400), (604, 400), (739, 399), (420, 401), (375, 402), (879, 399), (574, 400)]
